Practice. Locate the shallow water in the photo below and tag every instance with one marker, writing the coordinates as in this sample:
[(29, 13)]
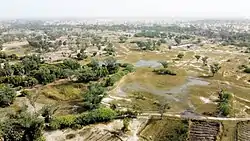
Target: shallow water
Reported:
[(191, 81), (173, 93), (148, 63)]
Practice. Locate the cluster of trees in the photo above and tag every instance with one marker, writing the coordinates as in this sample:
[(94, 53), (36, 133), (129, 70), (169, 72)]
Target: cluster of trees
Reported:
[(97, 91), (95, 70), (204, 59), (43, 43), (127, 68), (148, 45), (151, 34), (224, 103), (94, 96), (75, 121), (7, 95), (22, 126), (32, 70), (5, 57), (25, 126), (123, 39), (110, 49)]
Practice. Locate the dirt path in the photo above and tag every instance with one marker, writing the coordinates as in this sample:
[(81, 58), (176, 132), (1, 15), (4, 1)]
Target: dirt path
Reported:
[(196, 117)]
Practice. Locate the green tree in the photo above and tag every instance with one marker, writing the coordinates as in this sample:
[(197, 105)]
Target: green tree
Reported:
[(71, 64), (31, 63), (65, 43), (123, 39), (23, 126), (81, 56), (18, 69), (177, 40), (7, 95), (197, 57), (163, 106), (164, 64), (111, 64), (215, 68), (60, 42), (125, 124), (44, 75), (225, 103), (48, 111), (94, 64), (180, 55), (94, 95), (204, 60)]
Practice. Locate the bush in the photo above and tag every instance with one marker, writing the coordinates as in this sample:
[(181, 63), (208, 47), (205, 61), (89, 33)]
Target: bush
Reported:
[(111, 80), (74, 121), (44, 75), (224, 105), (247, 70), (242, 67), (7, 95), (180, 55), (71, 64), (98, 115), (62, 122), (23, 126), (164, 72), (94, 96), (129, 68), (19, 81)]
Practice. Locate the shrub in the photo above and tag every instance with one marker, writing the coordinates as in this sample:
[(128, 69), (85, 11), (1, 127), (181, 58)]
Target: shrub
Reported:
[(71, 64), (164, 63), (7, 95), (98, 115), (74, 121), (224, 105), (62, 122), (164, 72), (19, 81), (242, 67), (247, 70), (25, 93), (180, 55), (23, 126), (111, 80), (94, 96)]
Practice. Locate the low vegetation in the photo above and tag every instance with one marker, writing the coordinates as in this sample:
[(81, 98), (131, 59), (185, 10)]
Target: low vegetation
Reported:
[(76, 121), (164, 72), (225, 103)]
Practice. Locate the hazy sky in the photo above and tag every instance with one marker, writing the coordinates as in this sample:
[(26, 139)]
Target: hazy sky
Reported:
[(124, 8)]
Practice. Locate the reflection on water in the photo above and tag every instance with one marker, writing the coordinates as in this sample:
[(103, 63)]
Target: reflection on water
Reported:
[(172, 93)]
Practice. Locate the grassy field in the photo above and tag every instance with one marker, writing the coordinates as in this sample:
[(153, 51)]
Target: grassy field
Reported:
[(229, 77), (168, 129)]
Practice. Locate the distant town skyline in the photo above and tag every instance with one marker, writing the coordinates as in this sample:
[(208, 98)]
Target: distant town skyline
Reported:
[(12, 9)]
